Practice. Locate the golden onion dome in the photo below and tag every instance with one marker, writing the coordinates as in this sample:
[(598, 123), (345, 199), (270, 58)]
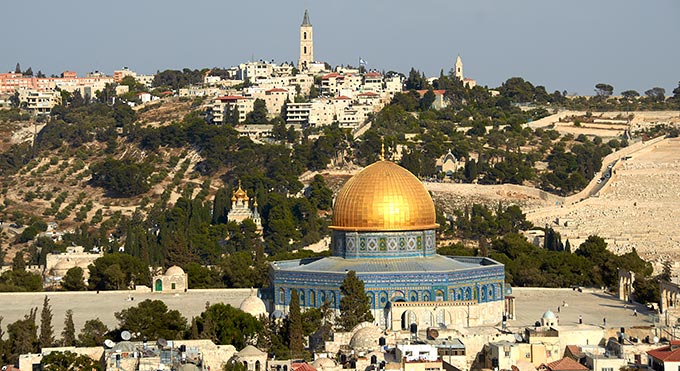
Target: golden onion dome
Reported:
[(383, 197), (239, 194)]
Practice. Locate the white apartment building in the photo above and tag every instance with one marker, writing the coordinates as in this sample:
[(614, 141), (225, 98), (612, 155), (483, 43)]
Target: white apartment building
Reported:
[(244, 105), (39, 102), (255, 71)]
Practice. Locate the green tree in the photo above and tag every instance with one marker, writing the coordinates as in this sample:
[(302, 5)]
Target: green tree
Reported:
[(427, 100), (225, 324), (295, 342), (153, 320), (630, 94), (46, 338), (259, 113), (355, 306), (117, 271), (93, 333), (74, 280), (319, 194), (69, 361), (656, 94), (68, 335), (604, 90), (22, 337)]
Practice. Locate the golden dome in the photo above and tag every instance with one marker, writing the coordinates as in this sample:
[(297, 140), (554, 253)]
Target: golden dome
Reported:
[(239, 194), (383, 197)]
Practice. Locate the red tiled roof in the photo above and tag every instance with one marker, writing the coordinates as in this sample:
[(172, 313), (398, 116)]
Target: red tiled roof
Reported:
[(373, 74), (368, 94), (566, 364), (575, 350), (299, 366), (230, 97), (328, 76), (276, 90), (669, 353), (167, 92), (343, 97), (436, 92)]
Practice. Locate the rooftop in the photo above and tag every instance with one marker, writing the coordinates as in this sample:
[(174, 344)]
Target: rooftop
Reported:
[(334, 264)]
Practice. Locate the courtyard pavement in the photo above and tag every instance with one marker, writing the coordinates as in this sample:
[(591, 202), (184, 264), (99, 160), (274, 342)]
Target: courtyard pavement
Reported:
[(593, 305)]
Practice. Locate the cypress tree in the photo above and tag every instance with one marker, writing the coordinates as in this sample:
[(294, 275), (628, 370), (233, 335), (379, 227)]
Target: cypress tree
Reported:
[(295, 325), (355, 306), (46, 338), (68, 336)]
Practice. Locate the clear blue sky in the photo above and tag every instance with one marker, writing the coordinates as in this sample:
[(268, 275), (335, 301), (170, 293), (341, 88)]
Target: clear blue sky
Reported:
[(563, 45)]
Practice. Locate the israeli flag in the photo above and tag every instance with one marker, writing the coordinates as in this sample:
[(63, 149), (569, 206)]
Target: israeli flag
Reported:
[(361, 61)]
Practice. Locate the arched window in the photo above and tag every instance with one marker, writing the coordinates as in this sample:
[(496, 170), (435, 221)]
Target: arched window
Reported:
[(312, 298), (439, 295), (413, 296), (304, 36), (426, 296), (301, 294), (257, 365), (282, 296), (304, 50)]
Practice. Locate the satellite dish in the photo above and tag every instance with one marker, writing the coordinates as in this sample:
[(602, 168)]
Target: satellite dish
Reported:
[(109, 343), (162, 342), (655, 339), (126, 335)]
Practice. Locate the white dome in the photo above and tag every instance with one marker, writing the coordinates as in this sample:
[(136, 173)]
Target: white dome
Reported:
[(253, 305), (174, 271), (321, 363), (549, 315), (366, 338)]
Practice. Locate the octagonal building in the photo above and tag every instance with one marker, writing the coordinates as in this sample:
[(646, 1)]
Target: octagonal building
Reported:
[(384, 228)]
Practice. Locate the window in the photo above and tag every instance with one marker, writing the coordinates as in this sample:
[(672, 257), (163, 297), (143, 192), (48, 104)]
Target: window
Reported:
[(612, 369), (304, 50), (173, 285), (304, 36)]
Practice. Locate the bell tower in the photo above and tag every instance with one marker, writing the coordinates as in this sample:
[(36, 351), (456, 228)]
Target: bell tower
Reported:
[(306, 43), (459, 68)]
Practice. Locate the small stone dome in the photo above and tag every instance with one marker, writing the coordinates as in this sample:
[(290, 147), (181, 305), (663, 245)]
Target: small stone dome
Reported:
[(174, 271), (321, 363), (549, 315), (366, 338), (253, 305)]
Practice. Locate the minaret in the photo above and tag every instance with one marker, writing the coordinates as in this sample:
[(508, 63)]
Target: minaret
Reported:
[(306, 43), (459, 68)]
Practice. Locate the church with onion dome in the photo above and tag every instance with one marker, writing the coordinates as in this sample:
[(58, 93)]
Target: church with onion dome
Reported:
[(384, 228), (241, 209)]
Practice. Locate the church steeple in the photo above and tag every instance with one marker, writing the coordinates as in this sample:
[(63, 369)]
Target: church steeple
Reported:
[(458, 73), (305, 20), (306, 43)]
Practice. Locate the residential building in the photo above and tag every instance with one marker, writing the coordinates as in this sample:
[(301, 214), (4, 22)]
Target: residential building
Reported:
[(39, 102), (232, 103), (665, 358)]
